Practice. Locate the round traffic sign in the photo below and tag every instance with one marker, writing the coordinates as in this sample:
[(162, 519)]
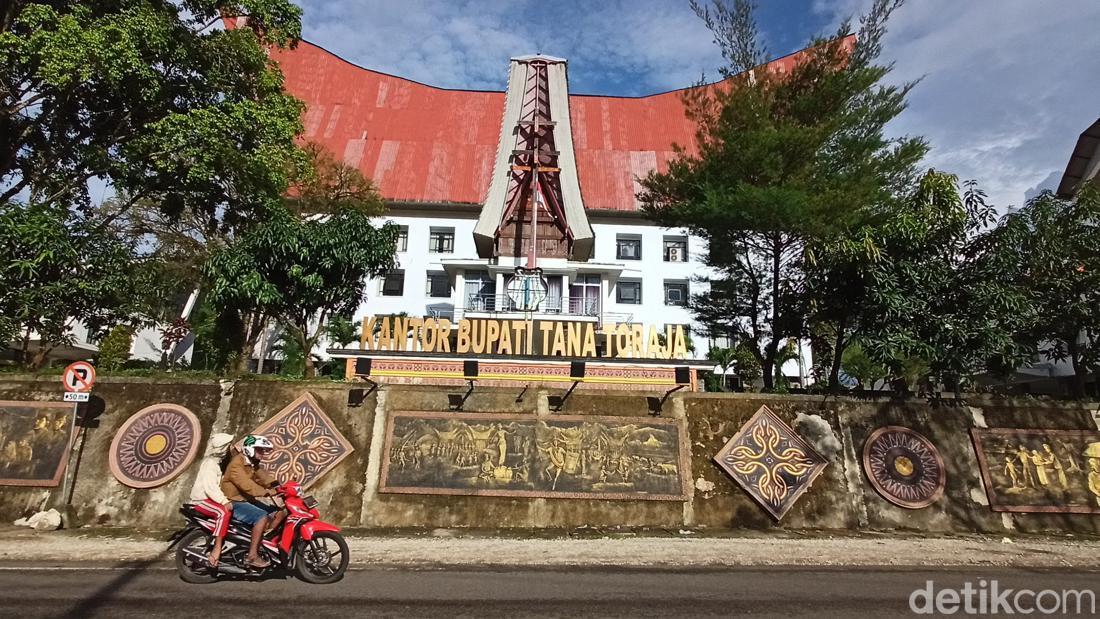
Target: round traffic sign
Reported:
[(78, 377)]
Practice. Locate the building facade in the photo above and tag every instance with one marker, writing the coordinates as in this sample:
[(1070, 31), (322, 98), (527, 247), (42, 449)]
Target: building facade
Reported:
[(487, 186)]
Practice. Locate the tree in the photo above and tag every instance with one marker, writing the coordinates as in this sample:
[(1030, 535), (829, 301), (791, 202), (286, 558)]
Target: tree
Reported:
[(56, 269), (342, 331), (299, 272), (149, 97), (723, 358), (862, 367), (1056, 247), (785, 161), (940, 291), (114, 349)]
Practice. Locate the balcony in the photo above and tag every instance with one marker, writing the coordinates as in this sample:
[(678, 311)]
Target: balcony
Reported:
[(552, 307)]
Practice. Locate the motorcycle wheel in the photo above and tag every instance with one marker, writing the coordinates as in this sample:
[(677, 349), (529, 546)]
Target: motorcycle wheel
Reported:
[(190, 569), (324, 559)]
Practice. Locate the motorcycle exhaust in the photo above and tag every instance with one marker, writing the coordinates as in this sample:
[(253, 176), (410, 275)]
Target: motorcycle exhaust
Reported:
[(222, 567)]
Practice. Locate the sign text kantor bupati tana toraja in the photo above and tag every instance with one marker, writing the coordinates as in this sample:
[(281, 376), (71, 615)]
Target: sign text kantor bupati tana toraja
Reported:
[(550, 338)]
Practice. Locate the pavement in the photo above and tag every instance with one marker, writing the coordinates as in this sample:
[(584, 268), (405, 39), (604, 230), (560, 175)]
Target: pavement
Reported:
[(606, 573), (153, 590), (673, 549)]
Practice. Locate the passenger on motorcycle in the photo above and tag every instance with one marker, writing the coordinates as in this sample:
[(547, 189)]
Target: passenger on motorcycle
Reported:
[(245, 481), (207, 495)]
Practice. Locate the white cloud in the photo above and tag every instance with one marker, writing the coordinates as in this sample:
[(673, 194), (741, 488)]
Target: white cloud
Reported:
[(1006, 85)]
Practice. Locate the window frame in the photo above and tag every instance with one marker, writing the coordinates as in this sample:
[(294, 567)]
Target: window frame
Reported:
[(622, 239), (443, 233), (385, 278), (681, 285), (675, 241), (402, 238), (428, 284), (634, 283)]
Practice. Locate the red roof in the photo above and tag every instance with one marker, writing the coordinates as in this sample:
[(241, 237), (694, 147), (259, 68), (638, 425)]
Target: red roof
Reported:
[(421, 143)]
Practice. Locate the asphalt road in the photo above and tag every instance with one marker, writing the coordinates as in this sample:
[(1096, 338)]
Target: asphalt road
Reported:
[(155, 591)]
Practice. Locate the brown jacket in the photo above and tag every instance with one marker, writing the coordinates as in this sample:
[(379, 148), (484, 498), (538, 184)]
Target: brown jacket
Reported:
[(242, 481)]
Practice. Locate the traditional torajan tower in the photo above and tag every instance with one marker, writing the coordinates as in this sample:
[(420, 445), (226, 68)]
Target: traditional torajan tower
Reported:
[(534, 207)]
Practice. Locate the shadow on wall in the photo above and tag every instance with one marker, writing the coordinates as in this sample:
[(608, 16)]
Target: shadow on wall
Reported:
[(840, 498)]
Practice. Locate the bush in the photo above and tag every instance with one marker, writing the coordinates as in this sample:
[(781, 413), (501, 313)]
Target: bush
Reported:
[(114, 348)]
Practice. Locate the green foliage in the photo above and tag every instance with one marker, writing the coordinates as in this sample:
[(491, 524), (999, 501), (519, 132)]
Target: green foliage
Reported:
[(293, 357), (743, 361), (939, 288), (145, 94), (342, 331), (301, 271), (785, 161), (55, 269), (1054, 247), (218, 336), (148, 96), (114, 349), (860, 366)]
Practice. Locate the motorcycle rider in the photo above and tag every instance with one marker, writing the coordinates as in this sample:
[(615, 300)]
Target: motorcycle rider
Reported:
[(207, 495), (245, 481)]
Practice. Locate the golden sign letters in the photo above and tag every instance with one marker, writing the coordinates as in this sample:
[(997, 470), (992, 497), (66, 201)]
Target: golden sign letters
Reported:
[(523, 337)]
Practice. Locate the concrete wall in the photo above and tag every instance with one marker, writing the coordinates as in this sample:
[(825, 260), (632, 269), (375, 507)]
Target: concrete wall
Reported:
[(841, 497)]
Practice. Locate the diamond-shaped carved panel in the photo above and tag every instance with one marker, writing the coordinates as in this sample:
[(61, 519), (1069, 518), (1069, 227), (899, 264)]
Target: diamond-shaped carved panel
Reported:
[(307, 443), (771, 462)]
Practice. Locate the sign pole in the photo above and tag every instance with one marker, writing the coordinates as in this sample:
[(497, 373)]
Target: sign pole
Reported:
[(68, 488), (77, 380)]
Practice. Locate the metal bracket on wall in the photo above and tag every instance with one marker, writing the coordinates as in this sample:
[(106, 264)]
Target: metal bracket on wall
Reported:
[(656, 406), (457, 401), (561, 402)]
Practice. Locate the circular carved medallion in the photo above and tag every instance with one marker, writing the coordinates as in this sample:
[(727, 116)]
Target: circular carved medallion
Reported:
[(154, 445), (904, 467)]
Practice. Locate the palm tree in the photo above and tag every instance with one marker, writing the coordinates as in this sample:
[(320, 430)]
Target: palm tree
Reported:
[(723, 358)]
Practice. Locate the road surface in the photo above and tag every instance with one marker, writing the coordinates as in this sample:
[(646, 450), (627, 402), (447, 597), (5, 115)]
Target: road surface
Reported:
[(153, 590)]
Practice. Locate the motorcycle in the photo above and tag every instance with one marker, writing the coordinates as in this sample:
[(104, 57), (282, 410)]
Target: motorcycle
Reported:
[(303, 542)]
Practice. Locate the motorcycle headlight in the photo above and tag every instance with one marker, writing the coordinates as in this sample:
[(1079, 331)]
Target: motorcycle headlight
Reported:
[(309, 502)]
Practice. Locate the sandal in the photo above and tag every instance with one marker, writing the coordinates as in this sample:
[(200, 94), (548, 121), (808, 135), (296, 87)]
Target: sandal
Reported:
[(259, 563)]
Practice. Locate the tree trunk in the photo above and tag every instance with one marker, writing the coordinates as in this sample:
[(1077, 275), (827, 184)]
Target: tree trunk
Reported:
[(244, 355), (40, 357), (254, 327), (838, 354), (773, 344), (24, 355), (1080, 371)]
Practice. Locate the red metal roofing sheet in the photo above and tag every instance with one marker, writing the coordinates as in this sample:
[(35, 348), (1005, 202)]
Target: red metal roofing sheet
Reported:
[(421, 143)]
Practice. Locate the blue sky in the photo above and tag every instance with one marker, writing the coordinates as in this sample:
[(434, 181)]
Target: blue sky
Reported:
[(1007, 85)]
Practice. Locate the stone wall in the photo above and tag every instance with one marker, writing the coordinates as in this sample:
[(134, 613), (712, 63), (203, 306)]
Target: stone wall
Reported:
[(841, 498)]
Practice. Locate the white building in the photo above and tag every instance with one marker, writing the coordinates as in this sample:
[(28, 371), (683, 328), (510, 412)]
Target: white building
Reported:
[(476, 179)]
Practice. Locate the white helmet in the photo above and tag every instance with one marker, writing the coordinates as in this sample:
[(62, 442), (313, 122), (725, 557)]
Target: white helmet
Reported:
[(252, 442)]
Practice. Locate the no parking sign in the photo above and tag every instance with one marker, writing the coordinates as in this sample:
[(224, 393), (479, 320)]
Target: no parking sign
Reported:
[(77, 379)]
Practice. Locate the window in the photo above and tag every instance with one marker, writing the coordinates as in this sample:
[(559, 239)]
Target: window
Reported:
[(442, 241), (676, 293), (481, 289), (393, 284), (439, 285), (629, 292), (402, 238), (584, 295), (628, 247), (676, 249)]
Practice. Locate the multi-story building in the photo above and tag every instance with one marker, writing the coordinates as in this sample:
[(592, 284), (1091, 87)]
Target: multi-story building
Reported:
[(483, 182)]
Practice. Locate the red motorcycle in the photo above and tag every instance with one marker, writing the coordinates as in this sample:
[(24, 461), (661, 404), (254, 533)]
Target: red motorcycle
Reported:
[(302, 542)]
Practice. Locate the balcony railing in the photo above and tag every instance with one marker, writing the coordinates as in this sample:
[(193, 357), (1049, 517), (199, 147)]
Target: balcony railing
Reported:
[(502, 303)]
